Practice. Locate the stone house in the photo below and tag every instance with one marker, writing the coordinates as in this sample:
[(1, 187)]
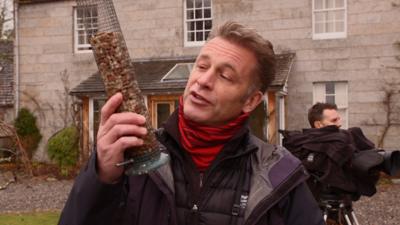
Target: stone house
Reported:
[(340, 51)]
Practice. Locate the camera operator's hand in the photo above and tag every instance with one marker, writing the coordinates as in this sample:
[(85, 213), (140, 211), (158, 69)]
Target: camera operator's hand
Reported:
[(117, 132)]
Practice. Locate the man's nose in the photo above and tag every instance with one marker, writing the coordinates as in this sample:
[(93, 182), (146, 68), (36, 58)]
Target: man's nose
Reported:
[(207, 79), (339, 123)]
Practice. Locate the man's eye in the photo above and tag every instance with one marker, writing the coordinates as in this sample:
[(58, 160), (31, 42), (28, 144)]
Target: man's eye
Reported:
[(201, 67), (226, 77)]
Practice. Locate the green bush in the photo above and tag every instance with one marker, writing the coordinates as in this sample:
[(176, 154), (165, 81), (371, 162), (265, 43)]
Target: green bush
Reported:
[(63, 148), (25, 125)]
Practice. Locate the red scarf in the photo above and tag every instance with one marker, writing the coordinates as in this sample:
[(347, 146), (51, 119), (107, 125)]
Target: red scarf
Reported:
[(203, 143)]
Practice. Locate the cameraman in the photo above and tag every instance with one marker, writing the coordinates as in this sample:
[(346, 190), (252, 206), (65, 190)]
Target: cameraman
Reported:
[(324, 114), (343, 163), (325, 122), (336, 171)]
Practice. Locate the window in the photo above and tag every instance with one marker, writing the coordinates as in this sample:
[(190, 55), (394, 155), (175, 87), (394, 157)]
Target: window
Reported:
[(179, 73), (198, 21), (329, 19), (89, 16), (335, 93), (161, 107), (95, 105)]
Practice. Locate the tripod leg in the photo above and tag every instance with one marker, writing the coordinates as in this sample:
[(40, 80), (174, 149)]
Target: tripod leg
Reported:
[(325, 215), (346, 216), (354, 218)]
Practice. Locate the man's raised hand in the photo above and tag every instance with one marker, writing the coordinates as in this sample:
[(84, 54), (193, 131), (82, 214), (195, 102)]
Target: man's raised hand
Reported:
[(117, 132)]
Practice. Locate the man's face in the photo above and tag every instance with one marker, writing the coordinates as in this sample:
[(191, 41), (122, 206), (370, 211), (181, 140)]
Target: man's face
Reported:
[(219, 86), (329, 117)]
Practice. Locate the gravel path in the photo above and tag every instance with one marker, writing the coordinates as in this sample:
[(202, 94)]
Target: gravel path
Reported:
[(382, 208), (43, 195), (35, 195)]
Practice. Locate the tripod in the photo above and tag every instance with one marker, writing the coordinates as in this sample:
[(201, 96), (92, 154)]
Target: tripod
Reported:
[(338, 210)]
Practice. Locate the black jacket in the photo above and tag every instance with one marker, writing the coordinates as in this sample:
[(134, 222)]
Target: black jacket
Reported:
[(339, 159), (277, 192)]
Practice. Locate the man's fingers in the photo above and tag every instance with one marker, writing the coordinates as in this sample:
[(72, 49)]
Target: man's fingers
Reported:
[(122, 130), (115, 119), (124, 143), (110, 107)]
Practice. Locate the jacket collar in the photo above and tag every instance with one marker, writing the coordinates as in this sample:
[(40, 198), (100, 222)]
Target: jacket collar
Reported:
[(275, 173)]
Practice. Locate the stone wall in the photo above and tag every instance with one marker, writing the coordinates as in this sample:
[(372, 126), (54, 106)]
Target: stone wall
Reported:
[(46, 53)]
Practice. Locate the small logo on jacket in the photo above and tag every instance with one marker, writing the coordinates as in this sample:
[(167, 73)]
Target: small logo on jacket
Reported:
[(243, 201)]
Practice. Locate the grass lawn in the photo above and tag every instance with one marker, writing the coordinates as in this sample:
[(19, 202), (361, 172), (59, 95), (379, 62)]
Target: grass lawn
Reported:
[(42, 218)]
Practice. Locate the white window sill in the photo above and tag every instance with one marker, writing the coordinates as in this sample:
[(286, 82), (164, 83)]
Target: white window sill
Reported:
[(194, 44), (323, 36)]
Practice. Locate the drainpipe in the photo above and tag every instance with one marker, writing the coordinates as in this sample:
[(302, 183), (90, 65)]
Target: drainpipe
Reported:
[(16, 57)]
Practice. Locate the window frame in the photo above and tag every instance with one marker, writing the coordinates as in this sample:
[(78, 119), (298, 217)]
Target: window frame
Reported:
[(188, 43), (329, 35), (92, 122), (77, 46), (163, 99), (189, 66)]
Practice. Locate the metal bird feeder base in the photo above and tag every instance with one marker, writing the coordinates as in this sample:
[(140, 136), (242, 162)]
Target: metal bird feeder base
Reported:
[(144, 163)]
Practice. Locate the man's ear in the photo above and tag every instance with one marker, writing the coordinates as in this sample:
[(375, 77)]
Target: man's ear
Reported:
[(317, 124), (252, 102)]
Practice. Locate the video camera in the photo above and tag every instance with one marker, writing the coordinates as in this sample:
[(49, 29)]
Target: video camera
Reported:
[(341, 160), (343, 165), (391, 162)]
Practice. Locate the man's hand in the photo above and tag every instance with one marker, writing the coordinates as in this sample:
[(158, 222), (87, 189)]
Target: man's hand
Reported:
[(117, 132)]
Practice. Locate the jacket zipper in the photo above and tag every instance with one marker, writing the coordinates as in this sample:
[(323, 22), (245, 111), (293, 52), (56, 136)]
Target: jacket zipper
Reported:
[(201, 176), (195, 207), (204, 190)]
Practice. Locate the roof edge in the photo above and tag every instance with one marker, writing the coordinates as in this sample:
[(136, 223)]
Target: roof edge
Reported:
[(152, 59), (26, 2)]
